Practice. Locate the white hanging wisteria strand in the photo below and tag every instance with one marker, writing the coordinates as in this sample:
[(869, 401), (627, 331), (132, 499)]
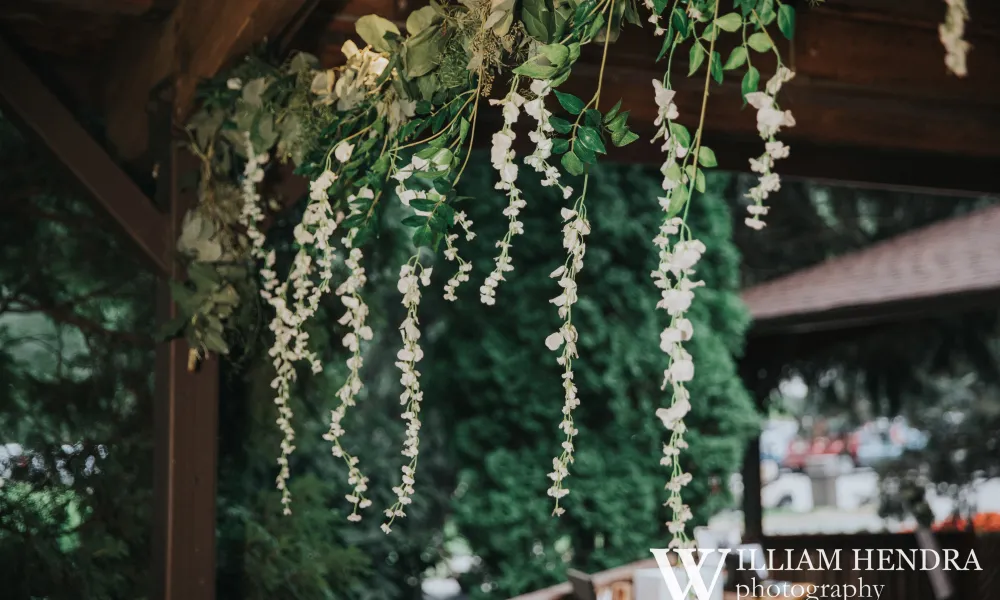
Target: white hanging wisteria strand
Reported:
[(770, 120), (290, 344), (349, 293), (502, 155), (675, 262), (541, 136), (451, 253), (677, 254), (952, 34), (411, 276), (575, 229)]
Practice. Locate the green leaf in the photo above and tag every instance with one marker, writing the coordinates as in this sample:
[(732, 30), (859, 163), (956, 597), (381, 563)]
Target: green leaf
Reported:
[(716, 67), (695, 57), (550, 60), (414, 221), (680, 22), (729, 22), (706, 157), (591, 140), (584, 153), (619, 124), (678, 199), (422, 52), (570, 102), (560, 125), (420, 19), (736, 58), (750, 81), (611, 114), (623, 137), (572, 163), (681, 134), (423, 204), (423, 236), (593, 118), (786, 21), (559, 145), (759, 42), (699, 181), (372, 29), (447, 213)]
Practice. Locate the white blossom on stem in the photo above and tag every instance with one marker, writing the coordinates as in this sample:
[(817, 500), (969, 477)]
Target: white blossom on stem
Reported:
[(575, 229), (412, 276), (770, 120), (678, 253), (451, 253), (539, 158), (290, 341), (349, 293), (502, 156)]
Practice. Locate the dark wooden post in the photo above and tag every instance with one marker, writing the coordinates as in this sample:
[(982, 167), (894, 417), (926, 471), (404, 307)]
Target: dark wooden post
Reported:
[(753, 512), (759, 381), (186, 421)]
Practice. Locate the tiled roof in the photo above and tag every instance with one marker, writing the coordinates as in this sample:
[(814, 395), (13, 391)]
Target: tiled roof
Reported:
[(960, 255)]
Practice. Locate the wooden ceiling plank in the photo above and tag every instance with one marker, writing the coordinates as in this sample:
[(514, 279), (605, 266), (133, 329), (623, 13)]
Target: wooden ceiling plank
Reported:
[(28, 101), (113, 7), (194, 43)]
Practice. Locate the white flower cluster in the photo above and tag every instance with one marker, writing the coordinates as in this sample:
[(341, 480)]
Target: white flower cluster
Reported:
[(673, 277), (666, 112), (539, 158), (290, 341), (770, 120), (355, 317), (575, 229), (356, 80), (411, 276), (451, 253), (654, 18), (502, 156), (251, 214), (952, 33)]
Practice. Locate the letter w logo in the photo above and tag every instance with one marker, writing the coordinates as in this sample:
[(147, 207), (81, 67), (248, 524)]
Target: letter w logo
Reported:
[(692, 569)]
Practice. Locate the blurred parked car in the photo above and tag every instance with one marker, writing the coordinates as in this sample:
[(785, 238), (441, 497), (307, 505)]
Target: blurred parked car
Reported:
[(799, 450)]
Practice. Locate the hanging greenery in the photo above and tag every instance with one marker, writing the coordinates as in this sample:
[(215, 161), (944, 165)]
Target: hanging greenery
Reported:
[(398, 122)]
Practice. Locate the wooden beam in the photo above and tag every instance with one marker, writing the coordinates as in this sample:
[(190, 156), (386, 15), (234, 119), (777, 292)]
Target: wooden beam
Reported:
[(27, 100), (192, 44), (119, 7), (186, 433)]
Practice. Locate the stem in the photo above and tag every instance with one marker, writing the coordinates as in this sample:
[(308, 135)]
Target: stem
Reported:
[(472, 133), (701, 117)]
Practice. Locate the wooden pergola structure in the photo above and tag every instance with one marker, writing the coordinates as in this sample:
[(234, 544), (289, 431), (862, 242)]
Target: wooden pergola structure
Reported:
[(873, 102)]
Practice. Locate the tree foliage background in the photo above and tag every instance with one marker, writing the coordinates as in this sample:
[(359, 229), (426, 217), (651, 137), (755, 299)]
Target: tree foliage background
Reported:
[(76, 354)]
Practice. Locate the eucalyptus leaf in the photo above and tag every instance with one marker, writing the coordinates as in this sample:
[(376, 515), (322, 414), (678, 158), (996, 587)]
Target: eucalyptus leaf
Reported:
[(422, 52), (421, 19), (372, 29)]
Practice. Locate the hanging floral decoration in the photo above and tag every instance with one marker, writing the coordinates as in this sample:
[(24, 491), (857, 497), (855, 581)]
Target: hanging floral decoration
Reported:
[(397, 123)]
